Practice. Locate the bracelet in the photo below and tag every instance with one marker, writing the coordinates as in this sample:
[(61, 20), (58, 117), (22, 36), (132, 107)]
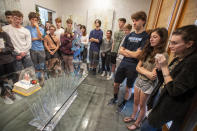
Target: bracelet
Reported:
[(166, 75)]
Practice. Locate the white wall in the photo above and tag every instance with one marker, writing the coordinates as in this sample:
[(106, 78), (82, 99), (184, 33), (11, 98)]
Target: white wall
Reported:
[(29, 5), (79, 8), (122, 8)]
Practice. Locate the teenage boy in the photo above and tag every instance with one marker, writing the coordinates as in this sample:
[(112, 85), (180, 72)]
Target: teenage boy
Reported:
[(69, 24), (95, 38), (37, 50), (118, 37), (131, 49), (21, 40), (8, 16), (59, 30)]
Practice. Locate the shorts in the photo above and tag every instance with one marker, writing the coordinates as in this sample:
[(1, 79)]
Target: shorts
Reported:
[(37, 57), (113, 57), (49, 56), (144, 85), (94, 57), (126, 70)]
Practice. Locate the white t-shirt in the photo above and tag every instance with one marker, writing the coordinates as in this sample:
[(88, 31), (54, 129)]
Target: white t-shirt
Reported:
[(58, 32), (85, 40), (20, 37)]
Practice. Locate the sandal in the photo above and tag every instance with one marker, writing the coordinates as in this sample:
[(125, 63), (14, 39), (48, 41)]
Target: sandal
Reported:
[(133, 125), (128, 119)]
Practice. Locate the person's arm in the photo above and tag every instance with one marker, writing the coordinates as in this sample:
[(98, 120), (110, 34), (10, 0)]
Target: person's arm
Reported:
[(94, 40), (28, 41), (112, 46), (152, 75), (45, 44), (58, 45), (86, 41), (185, 79), (8, 44), (121, 44), (123, 52), (91, 36), (133, 54), (38, 31), (99, 39)]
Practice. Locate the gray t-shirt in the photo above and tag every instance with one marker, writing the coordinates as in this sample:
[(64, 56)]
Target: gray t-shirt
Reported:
[(118, 36), (106, 45)]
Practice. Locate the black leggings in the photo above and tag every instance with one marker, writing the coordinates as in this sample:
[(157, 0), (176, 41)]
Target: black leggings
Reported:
[(84, 54), (105, 56)]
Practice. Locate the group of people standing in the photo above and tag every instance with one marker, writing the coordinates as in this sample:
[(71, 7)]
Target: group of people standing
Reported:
[(168, 90), (139, 57)]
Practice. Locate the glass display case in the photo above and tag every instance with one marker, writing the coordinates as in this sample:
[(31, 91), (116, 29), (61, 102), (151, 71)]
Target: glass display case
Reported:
[(39, 104)]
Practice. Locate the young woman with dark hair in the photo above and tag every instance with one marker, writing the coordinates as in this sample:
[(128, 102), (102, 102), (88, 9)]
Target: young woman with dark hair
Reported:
[(147, 75), (179, 85)]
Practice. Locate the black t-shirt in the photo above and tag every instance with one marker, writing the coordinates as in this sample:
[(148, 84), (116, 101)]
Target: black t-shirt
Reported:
[(132, 42)]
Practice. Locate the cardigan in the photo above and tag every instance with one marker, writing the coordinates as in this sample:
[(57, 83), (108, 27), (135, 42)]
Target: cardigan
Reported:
[(7, 54), (176, 96)]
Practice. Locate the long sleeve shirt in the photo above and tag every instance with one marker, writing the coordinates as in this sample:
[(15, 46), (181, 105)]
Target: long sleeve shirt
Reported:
[(6, 49), (96, 34), (20, 38), (66, 45)]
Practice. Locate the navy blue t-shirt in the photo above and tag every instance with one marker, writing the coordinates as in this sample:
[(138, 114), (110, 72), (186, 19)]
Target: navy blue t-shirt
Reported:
[(132, 42), (97, 34)]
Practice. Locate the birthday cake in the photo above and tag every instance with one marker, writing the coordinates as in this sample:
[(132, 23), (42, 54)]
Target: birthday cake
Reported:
[(25, 87)]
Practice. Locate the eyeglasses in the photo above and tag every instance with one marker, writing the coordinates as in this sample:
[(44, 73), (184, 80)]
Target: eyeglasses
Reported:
[(17, 18), (175, 42)]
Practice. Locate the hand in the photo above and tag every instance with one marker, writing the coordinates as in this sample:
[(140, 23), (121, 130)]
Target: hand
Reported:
[(157, 65), (22, 54), (35, 24), (18, 57), (161, 60), (41, 38), (103, 54), (126, 52), (138, 50), (152, 75), (1, 49), (92, 39), (51, 52), (154, 71)]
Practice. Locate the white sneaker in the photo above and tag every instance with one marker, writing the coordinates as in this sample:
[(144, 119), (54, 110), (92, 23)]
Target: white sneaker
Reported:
[(108, 75), (103, 74), (7, 100), (111, 77)]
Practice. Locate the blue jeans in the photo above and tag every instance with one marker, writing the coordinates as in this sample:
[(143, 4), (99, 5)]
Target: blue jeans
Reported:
[(147, 127)]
